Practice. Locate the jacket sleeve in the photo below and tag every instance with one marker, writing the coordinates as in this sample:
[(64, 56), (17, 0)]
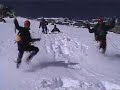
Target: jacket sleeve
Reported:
[(46, 22), (112, 25), (91, 30), (35, 39), (17, 25), (108, 27)]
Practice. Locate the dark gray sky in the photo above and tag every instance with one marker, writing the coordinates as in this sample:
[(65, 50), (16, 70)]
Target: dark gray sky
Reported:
[(60, 0), (64, 0), (67, 8)]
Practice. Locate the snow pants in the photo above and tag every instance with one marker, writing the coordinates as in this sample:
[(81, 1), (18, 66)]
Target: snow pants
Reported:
[(34, 50)]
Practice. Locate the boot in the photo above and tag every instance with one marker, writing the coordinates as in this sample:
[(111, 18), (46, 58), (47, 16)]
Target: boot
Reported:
[(18, 63)]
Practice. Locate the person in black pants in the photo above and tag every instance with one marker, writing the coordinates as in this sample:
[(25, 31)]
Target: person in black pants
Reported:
[(43, 24), (24, 41)]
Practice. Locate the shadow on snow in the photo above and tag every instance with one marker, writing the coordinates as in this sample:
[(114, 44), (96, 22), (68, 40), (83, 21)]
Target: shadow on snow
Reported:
[(43, 65)]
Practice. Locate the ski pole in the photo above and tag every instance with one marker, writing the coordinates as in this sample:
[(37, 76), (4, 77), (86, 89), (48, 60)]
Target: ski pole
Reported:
[(14, 18)]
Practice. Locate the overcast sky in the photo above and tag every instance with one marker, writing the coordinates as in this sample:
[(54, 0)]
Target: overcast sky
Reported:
[(106, 2), (75, 8), (66, 0)]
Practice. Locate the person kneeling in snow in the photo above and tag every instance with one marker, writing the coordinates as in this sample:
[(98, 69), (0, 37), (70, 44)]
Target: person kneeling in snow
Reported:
[(55, 29), (24, 41)]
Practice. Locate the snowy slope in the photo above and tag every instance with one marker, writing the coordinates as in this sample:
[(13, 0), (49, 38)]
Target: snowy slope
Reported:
[(66, 61)]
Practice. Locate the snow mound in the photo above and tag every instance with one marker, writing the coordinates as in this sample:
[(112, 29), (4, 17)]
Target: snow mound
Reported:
[(110, 86), (70, 84), (64, 46)]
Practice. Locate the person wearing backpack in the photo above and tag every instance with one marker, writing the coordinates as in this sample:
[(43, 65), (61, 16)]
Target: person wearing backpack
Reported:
[(100, 32), (24, 40), (43, 24)]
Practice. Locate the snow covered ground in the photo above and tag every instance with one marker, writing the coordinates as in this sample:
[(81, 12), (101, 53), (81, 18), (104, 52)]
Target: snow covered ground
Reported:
[(66, 61)]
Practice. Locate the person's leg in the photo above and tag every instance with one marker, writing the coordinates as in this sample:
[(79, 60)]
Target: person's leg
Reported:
[(20, 55), (34, 50), (104, 47), (104, 44), (100, 46), (100, 41), (43, 30), (46, 29)]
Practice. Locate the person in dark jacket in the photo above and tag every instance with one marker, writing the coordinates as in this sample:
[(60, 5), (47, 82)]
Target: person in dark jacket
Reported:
[(43, 24), (100, 32), (55, 29), (24, 42)]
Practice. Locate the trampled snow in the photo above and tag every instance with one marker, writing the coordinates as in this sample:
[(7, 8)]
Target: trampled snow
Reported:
[(69, 60)]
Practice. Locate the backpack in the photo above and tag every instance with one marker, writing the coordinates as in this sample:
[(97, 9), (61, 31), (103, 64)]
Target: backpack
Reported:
[(18, 37)]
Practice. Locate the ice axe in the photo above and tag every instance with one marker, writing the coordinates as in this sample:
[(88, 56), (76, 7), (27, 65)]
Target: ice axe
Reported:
[(14, 18)]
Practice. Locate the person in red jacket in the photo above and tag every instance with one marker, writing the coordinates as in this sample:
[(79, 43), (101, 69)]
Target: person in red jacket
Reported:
[(24, 41)]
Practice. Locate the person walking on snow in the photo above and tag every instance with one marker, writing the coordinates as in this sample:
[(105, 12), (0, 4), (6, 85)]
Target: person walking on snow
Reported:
[(100, 32), (24, 40), (43, 24)]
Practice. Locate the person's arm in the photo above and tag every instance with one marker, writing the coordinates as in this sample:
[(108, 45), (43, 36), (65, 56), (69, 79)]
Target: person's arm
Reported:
[(108, 27), (17, 25), (46, 23), (35, 39), (112, 25), (90, 30)]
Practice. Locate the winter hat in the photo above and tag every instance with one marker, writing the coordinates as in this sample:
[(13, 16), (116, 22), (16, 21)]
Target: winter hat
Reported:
[(100, 20), (27, 23)]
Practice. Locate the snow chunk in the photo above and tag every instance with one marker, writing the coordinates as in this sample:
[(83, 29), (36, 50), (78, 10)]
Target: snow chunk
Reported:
[(68, 82), (110, 86)]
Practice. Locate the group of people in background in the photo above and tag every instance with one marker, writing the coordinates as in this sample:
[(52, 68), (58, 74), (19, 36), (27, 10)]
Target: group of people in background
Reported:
[(24, 38), (44, 23)]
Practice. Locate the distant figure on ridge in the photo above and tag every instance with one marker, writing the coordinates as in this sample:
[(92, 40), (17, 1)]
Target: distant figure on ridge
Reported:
[(43, 24)]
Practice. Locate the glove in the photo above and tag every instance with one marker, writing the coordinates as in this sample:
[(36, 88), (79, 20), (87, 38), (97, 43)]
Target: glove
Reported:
[(88, 26)]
